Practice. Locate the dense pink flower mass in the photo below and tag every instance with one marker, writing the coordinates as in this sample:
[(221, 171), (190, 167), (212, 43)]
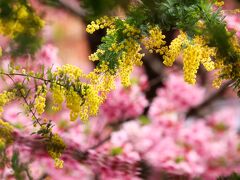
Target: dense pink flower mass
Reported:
[(174, 98), (124, 103), (196, 149), (133, 136)]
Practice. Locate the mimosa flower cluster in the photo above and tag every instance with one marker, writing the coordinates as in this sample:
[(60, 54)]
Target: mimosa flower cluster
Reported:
[(194, 52), (5, 97), (81, 98), (6, 131), (118, 57), (40, 100)]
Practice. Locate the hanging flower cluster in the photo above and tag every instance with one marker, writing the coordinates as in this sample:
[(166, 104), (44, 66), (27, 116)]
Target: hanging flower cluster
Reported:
[(195, 52)]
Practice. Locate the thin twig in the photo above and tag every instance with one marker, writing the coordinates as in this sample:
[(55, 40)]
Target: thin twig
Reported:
[(75, 10), (25, 100), (100, 143)]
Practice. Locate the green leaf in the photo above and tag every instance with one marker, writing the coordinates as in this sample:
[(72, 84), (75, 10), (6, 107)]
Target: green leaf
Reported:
[(144, 120), (116, 151), (17, 167)]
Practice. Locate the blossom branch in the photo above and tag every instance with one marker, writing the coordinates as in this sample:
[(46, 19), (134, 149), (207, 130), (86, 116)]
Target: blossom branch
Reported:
[(90, 157)]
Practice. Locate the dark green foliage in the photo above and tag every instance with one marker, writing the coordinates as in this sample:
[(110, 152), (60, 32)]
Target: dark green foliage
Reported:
[(218, 37), (109, 56), (97, 8), (175, 14), (216, 30), (233, 176), (27, 41)]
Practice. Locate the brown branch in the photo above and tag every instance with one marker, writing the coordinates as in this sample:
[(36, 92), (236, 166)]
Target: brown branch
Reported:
[(73, 9), (114, 126), (197, 110), (100, 143), (28, 173)]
